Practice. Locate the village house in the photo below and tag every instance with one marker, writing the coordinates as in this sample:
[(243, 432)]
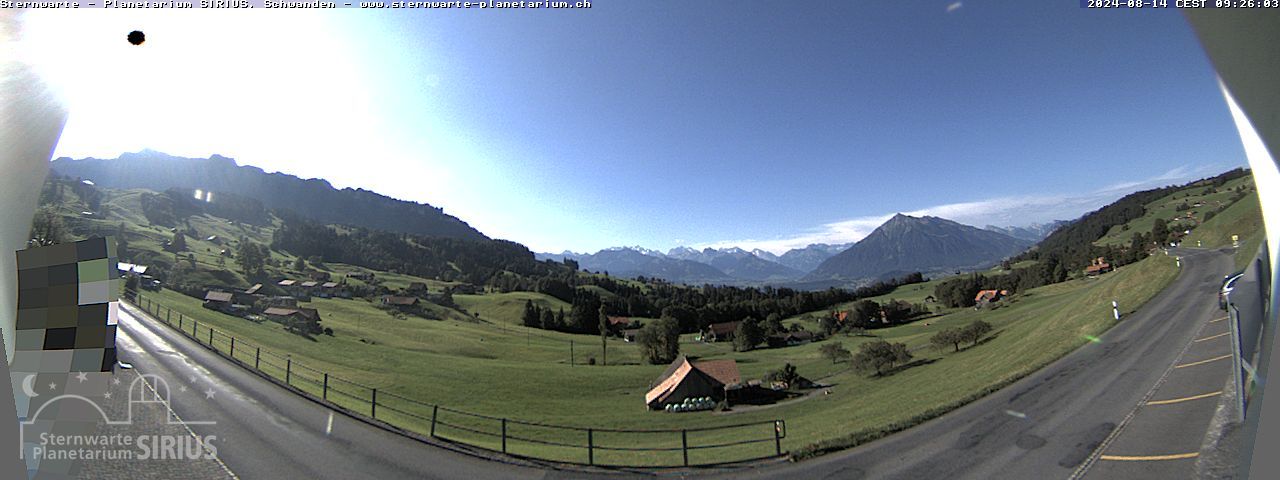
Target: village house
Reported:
[(630, 334), (685, 380), (1099, 266), (220, 301), (987, 297), (399, 302), (284, 315), (333, 290), (719, 332), (618, 324)]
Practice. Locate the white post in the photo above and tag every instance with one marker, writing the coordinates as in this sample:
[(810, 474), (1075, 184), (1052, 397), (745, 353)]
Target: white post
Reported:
[(1178, 260), (1115, 309)]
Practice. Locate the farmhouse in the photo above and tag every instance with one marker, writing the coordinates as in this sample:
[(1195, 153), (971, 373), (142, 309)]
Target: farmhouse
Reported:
[(618, 324), (1099, 266), (398, 302), (720, 332), (986, 297), (685, 379), (220, 301), (333, 289), (416, 288), (254, 289), (629, 335), (281, 314)]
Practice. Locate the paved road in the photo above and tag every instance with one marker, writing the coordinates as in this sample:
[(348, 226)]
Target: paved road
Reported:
[(1081, 416), (1075, 405), (265, 431)]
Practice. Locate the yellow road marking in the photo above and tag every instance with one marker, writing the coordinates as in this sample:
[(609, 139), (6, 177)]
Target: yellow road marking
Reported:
[(1184, 399), (1146, 458), (1202, 362), (1216, 320), (1223, 334)]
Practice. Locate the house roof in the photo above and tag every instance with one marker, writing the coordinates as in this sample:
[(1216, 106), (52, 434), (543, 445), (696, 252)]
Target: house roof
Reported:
[(986, 295), (723, 328), (287, 283), (619, 321), (280, 311), (254, 289), (218, 296), (310, 283), (726, 371), (841, 316), (398, 300), (714, 373), (329, 284)]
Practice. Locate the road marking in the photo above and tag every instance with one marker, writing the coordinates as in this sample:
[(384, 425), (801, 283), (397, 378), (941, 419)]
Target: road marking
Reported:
[(1106, 442), (1202, 362), (1216, 320), (1149, 458), (328, 429), (1223, 334), (1184, 399)]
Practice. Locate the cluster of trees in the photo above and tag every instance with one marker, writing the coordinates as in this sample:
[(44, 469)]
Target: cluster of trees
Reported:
[(955, 336), (537, 317), (869, 314), (880, 356), (660, 341)]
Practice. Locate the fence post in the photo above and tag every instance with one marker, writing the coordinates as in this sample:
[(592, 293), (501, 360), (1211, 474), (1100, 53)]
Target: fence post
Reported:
[(288, 369), (777, 437), (434, 410), (211, 339), (233, 348), (504, 435), (373, 405), (257, 355), (168, 312), (591, 447), (195, 325), (179, 321), (684, 445), (325, 392)]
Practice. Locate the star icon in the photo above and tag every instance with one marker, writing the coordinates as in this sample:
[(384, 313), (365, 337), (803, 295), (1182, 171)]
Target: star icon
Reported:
[(182, 388), (107, 395), (53, 386), (115, 381), (208, 394), (192, 378), (82, 377)]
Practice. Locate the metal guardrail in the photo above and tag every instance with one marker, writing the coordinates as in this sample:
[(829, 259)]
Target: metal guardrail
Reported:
[(1247, 306), (404, 413)]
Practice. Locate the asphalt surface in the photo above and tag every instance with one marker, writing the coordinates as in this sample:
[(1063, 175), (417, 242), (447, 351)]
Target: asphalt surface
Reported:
[(1085, 416), (1054, 423)]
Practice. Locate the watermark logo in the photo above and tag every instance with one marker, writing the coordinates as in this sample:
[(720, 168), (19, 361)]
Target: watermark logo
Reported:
[(138, 438)]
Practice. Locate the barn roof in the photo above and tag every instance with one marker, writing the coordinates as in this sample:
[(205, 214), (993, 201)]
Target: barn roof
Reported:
[(218, 296)]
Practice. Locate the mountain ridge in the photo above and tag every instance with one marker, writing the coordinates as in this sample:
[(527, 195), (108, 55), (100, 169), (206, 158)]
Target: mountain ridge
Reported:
[(312, 197)]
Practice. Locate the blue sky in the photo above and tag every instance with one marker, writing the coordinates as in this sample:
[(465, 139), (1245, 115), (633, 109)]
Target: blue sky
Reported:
[(662, 123)]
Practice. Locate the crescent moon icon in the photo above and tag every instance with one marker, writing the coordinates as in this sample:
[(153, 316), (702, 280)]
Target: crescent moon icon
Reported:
[(27, 388)]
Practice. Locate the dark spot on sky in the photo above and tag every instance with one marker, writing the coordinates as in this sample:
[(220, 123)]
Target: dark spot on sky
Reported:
[(136, 37)]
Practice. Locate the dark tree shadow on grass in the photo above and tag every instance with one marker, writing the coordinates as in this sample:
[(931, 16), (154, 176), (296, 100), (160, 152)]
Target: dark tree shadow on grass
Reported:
[(912, 364)]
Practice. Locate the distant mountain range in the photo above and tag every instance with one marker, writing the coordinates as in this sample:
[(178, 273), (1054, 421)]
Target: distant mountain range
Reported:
[(630, 262), (314, 198), (1031, 233), (907, 244), (900, 246)]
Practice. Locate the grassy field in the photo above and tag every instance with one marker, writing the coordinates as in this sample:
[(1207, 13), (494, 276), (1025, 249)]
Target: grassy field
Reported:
[(1166, 208), (508, 371), (1244, 218)]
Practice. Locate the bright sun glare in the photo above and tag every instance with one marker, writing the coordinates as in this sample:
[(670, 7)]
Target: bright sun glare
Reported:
[(203, 82)]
